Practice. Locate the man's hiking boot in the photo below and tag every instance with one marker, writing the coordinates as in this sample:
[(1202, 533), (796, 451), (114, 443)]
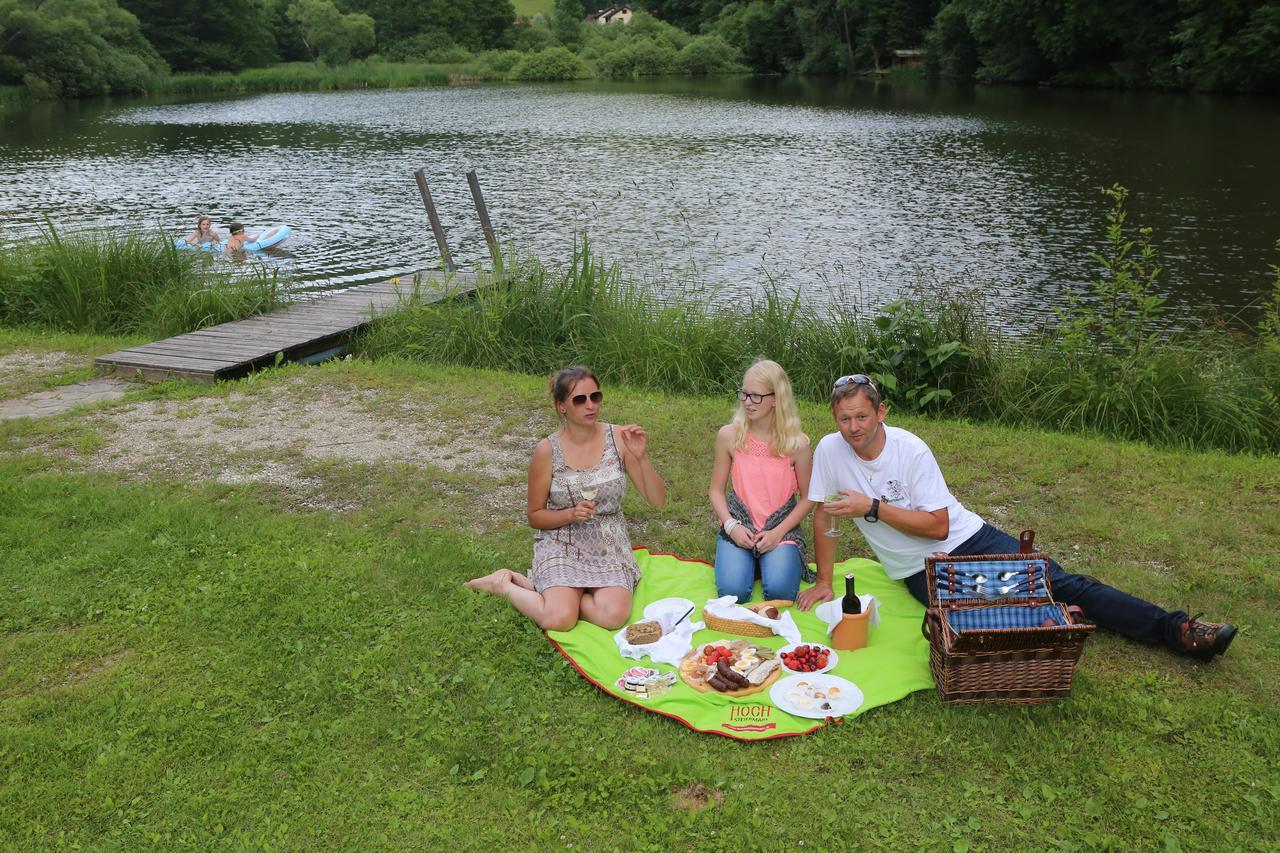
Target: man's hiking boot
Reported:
[(1203, 640)]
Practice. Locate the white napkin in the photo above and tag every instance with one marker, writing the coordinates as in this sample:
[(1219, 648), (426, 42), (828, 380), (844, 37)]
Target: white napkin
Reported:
[(729, 608), (670, 648), (830, 612)]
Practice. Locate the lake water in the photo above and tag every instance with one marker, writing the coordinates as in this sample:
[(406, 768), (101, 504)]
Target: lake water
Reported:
[(845, 190)]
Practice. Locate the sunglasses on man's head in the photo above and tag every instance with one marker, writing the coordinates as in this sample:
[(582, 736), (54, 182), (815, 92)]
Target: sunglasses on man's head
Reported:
[(856, 379), (581, 399), (745, 395)]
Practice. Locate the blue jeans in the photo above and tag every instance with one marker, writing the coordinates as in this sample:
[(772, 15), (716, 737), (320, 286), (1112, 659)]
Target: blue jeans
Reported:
[(736, 571), (1107, 606)]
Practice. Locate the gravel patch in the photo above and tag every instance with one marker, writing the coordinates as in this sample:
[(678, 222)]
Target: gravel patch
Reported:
[(270, 439), (21, 370), (27, 361)]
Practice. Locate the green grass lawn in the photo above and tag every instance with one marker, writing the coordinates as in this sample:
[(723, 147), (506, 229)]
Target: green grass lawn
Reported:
[(189, 664)]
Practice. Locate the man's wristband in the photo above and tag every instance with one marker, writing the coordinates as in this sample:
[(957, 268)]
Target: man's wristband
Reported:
[(729, 525)]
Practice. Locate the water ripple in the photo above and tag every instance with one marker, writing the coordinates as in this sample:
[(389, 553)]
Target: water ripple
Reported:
[(741, 183)]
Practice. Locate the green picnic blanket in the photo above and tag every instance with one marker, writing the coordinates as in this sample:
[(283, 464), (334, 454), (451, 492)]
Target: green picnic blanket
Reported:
[(894, 663)]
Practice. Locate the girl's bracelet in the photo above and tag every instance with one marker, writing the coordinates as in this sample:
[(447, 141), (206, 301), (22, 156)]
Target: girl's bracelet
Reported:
[(729, 526)]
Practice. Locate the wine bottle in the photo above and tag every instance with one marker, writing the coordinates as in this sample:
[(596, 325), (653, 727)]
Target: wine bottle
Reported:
[(851, 604), (850, 632)]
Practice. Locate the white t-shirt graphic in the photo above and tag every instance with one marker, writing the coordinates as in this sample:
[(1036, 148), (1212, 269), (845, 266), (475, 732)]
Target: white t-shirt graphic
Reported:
[(905, 475)]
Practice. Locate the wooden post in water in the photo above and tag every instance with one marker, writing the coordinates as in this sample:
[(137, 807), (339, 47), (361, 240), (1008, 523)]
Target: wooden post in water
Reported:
[(434, 220), (478, 198)]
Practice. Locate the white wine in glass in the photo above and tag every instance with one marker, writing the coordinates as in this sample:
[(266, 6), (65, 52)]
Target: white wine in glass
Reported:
[(590, 491), (834, 530)]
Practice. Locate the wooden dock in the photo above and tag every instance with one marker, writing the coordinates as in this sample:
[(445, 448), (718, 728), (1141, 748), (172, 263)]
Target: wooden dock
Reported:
[(303, 331)]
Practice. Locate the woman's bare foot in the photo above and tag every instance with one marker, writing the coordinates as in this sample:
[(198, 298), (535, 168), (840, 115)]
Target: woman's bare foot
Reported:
[(492, 583)]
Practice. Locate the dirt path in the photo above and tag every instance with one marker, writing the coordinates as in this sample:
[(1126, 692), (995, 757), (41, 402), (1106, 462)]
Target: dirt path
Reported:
[(297, 435)]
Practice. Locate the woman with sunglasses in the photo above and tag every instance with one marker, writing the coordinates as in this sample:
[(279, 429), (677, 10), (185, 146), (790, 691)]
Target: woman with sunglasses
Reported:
[(583, 567), (763, 458)]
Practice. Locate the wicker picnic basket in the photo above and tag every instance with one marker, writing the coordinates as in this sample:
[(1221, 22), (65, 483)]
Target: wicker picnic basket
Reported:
[(995, 632), (743, 628)]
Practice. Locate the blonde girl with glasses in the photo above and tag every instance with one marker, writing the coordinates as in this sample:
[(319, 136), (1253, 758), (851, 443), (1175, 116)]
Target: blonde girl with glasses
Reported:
[(583, 566), (758, 489)]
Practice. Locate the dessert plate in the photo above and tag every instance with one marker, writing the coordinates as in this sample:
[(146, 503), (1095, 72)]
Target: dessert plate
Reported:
[(809, 695)]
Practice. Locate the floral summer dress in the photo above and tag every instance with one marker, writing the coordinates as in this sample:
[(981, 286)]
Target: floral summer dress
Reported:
[(586, 554)]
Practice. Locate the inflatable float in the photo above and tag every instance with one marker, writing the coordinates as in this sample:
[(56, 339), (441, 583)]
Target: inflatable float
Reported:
[(258, 240), (273, 236)]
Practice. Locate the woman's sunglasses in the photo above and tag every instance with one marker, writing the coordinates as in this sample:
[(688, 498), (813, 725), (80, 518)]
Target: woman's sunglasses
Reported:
[(581, 399), (745, 395)]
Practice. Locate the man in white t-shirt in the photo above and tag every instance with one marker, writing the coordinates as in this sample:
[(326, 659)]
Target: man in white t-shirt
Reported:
[(891, 486)]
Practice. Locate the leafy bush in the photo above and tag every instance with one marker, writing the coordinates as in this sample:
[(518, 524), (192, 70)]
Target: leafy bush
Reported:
[(709, 54), (331, 36), (646, 27), (531, 39), (11, 95), (416, 47), (433, 46), (638, 58), (554, 63), (499, 62), (74, 50)]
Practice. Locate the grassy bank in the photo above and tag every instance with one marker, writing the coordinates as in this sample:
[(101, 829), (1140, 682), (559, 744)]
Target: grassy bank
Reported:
[(110, 284), (1105, 368), (12, 96), (203, 663), (312, 77)]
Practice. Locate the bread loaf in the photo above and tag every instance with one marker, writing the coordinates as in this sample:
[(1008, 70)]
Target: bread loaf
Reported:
[(643, 633)]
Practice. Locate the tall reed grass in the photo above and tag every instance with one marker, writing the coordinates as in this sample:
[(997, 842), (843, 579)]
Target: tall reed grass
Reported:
[(538, 319), (310, 77), (108, 284), (934, 352)]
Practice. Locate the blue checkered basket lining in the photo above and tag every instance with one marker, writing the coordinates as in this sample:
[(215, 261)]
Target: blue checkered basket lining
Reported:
[(1012, 616), (982, 580)]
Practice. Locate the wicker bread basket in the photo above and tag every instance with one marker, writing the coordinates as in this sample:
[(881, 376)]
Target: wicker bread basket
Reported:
[(743, 628)]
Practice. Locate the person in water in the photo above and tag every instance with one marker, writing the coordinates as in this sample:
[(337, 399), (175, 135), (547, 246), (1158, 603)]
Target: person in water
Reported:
[(238, 238), (204, 233)]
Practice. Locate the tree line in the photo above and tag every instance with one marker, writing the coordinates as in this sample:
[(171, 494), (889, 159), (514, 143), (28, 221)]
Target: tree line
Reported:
[(1205, 45), (75, 48)]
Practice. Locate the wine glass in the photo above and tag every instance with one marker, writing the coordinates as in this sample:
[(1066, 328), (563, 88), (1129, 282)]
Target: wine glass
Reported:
[(834, 531)]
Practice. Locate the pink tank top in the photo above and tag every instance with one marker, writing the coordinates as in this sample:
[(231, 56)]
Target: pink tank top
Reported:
[(763, 481)]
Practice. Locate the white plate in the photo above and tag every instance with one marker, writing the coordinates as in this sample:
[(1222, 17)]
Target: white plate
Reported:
[(832, 658), (850, 698), (664, 605)]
